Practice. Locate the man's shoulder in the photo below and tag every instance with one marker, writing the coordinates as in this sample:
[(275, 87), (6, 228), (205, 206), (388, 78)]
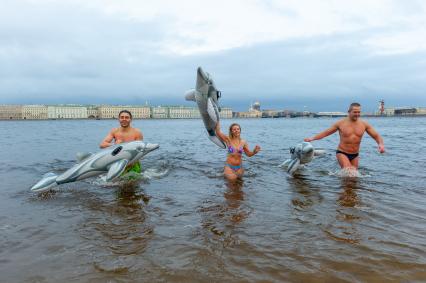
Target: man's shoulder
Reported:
[(136, 130), (340, 122), (364, 122)]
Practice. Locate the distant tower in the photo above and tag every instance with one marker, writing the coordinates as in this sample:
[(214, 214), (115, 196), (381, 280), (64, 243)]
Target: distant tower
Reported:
[(382, 106), (256, 106)]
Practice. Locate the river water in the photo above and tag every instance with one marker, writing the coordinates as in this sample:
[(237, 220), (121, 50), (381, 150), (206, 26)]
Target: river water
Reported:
[(182, 222)]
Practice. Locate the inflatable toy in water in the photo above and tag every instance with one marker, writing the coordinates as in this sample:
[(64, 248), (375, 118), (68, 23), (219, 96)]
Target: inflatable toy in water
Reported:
[(206, 95), (112, 160)]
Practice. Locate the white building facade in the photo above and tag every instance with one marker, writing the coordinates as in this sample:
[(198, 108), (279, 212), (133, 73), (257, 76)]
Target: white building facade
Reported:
[(183, 112), (225, 113), (34, 112), (160, 112), (112, 111), (66, 112)]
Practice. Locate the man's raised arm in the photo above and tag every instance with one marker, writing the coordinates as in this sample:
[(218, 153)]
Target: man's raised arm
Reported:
[(324, 134)]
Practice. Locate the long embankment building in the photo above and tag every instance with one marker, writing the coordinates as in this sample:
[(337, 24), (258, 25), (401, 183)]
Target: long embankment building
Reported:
[(10, 112), (55, 112)]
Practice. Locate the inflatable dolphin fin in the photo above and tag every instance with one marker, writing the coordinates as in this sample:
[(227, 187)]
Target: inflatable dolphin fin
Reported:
[(82, 156), (293, 166), (47, 182), (190, 95), (116, 169), (211, 111), (217, 141), (285, 163)]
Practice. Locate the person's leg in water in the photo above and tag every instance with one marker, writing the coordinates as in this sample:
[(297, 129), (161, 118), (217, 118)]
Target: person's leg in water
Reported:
[(347, 160), (232, 173)]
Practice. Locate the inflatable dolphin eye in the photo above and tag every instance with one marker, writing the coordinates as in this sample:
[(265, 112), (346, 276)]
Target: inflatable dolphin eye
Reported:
[(116, 151)]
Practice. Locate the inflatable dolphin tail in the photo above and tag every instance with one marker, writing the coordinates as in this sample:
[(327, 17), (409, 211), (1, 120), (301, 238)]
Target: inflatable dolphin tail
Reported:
[(217, 141), (46, 183), (319, 152), (293, 166), (190, 95)]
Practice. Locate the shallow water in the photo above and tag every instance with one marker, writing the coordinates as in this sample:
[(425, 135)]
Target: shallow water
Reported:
[(182, 222)]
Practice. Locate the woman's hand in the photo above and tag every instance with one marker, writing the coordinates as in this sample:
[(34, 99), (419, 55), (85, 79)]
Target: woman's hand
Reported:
[(256, 149)]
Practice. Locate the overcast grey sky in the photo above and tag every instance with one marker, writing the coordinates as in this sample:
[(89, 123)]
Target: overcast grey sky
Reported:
[(316, 55)]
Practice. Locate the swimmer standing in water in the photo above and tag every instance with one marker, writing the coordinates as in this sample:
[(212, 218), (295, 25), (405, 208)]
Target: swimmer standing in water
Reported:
[(125, 133), (236, 146), (351, 129)]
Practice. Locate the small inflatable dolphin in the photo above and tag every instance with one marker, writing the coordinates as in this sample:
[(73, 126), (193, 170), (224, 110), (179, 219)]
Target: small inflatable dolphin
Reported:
[(112, 160), (302, 153), (206, 95)]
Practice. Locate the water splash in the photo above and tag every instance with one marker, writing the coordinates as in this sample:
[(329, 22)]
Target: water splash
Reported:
[(349, 173)]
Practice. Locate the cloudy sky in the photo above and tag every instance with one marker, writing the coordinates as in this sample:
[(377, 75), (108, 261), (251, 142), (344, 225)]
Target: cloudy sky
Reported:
[(315, 55)]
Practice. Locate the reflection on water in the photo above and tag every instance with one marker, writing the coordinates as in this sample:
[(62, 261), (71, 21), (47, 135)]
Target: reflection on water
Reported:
[(344, 228), (348, 196), (305, 193), (221, 216), (119, 231)]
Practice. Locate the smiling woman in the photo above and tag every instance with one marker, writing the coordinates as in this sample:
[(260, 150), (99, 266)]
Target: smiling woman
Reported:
[(236, 146)]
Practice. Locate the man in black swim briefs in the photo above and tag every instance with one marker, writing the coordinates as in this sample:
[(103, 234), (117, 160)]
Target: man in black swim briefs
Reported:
[(351, 129)]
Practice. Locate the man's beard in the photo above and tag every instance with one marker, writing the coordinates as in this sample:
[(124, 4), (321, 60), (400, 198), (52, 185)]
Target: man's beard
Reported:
[(124, 125)]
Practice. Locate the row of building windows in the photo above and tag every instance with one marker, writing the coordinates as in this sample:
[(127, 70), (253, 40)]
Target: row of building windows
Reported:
[(72, 112)]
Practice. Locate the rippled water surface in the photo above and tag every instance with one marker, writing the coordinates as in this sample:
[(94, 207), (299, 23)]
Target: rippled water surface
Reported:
[(182, 222)]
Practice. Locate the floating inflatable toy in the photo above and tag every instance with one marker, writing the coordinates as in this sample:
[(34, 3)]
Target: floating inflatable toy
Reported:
[(206, 95), (112, 160), (302, 153)]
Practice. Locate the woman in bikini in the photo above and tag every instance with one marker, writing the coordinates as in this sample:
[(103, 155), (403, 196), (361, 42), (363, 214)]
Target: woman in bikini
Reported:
[(236, 146)]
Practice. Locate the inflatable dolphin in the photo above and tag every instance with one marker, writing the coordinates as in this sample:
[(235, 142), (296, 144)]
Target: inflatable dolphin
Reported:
[(206, 95), (302, 153), (112, 160)]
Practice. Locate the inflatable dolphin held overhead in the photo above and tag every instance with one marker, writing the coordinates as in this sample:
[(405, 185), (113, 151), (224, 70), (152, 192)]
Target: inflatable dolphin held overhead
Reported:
[(302, 153), (112, 160), (206, 95)]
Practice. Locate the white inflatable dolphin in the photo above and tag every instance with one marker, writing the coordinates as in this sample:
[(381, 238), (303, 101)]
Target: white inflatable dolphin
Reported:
[(206, 95), (302, 153), (112, 160)]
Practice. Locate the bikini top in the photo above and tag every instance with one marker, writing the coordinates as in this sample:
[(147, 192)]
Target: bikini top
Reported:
[(232, 149)]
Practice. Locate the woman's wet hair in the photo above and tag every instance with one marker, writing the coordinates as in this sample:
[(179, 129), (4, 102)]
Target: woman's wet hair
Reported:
[(125, 111), (230, 129)]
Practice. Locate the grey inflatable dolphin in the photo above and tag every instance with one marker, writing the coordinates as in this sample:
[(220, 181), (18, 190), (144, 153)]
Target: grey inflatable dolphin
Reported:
[(112, 160), (302, 153), (206, 95)]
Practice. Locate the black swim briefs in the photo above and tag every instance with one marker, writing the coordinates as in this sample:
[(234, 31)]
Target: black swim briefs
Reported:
[(350, 156)]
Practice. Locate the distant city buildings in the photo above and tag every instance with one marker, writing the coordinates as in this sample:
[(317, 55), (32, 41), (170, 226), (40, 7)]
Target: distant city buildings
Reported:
[(253, 112), (43, 112), (10, 112), (402, 111)]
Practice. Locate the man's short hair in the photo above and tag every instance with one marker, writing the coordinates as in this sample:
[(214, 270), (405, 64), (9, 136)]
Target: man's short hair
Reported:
[(125, 111), (353, 104)]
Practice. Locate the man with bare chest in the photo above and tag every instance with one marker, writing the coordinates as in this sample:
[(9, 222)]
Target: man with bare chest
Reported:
[(125, 133), (351, 129)]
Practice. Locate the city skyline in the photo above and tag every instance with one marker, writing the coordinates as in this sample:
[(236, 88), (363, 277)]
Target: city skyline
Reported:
[(288, 55)]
